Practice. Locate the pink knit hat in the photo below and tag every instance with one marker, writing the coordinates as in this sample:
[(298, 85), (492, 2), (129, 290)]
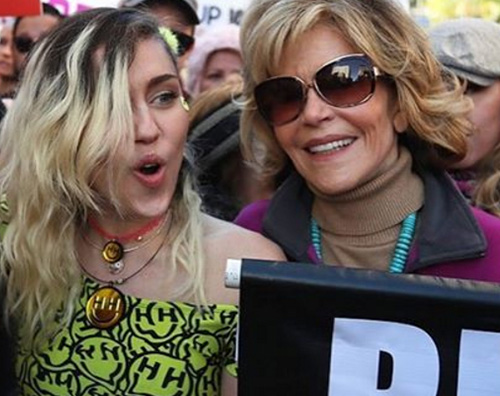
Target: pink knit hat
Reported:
[(212, 39)]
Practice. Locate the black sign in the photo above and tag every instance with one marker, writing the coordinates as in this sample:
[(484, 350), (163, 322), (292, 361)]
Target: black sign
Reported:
[(314, 330)]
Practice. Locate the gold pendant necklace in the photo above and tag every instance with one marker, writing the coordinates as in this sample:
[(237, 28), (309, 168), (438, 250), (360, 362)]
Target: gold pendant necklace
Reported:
[(106, 306), (112, 253)]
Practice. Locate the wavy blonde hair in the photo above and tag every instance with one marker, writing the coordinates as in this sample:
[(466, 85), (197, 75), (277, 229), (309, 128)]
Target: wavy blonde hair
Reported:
[(381, 29), (70, 117)]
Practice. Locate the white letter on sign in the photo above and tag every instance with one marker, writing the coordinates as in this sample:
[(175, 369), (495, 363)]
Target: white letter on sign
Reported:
[(479, 367), (356, 348)]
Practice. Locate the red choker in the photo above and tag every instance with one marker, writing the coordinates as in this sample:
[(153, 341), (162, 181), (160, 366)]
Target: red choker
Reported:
[(133, 236)]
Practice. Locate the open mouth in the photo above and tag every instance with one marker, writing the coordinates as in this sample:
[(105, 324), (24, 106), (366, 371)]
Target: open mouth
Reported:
[(331, 146), (151, 174), (149, 169)]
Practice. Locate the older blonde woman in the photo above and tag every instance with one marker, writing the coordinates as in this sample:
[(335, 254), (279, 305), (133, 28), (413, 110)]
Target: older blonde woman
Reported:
[(113, 274), (350, 94)]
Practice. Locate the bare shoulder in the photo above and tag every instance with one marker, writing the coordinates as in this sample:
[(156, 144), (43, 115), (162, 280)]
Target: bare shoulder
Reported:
[(223, 241), (238, 242)]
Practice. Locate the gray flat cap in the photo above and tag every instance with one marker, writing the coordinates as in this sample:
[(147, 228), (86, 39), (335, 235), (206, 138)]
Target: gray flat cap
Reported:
[(470, 47)]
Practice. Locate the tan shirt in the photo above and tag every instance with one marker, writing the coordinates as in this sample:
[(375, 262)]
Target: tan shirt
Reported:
[(360, 228)]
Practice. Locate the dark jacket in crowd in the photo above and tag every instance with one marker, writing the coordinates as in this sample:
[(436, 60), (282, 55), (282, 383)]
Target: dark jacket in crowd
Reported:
[(452, 239)]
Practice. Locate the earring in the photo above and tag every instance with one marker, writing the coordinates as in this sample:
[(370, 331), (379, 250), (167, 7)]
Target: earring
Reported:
[(184, 103), (400, 122)]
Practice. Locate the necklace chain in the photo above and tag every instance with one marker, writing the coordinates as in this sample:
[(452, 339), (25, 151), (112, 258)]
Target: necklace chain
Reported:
[(401, 251), (121, 281)]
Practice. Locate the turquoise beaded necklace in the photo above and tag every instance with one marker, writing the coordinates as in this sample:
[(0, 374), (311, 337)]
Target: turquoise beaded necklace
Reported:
[(401, 250)]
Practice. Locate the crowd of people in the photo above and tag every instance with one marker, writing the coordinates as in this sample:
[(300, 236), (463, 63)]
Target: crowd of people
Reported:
[(139, 152)]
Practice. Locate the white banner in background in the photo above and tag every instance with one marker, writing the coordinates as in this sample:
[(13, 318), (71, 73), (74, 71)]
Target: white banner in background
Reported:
[(221, 12)]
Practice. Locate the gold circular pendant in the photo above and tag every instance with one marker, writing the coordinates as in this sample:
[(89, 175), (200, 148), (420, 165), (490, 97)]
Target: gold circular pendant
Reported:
[(112, 252), (105, 307)]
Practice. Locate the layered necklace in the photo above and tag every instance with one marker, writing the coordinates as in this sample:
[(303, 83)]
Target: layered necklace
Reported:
[(401, 251), (113, 250), (106, 306)]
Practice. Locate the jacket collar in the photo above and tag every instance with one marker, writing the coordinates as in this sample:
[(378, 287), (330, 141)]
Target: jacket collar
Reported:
[(446, 229), (288, 218)]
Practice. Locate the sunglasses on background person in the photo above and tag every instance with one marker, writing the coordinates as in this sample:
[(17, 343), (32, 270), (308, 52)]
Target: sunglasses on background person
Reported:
[(23, 44), (186, 42), (346, 81)]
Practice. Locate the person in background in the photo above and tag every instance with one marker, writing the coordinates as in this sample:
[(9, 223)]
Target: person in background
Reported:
[(7, 75), (225, 181), (27, 30), (216, 58), (180, 16), (467, 47), (113, 275), (350, 93)]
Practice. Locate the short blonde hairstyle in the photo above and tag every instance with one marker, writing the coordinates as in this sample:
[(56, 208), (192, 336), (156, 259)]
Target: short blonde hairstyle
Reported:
[(381, 29), (70, 117)]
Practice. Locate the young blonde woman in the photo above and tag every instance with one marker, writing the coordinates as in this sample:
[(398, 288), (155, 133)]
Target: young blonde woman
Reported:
[(113, 276)]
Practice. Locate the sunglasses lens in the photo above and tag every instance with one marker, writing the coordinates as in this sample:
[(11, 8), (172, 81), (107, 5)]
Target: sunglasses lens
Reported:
[(346, 82), (23, 44), (279, 100), (185, 42)]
